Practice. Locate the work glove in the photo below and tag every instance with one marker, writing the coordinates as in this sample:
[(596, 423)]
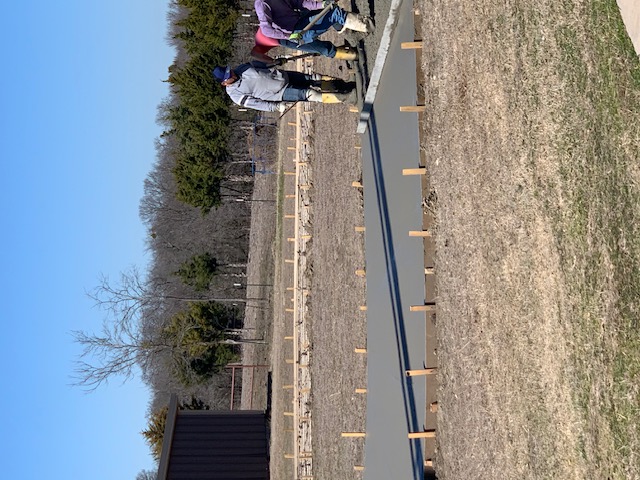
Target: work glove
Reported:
[(279, 61), (282, 107), (326, 3), (296, 37)]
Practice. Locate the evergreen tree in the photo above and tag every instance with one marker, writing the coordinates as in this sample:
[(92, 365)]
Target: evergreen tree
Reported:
[(200, 118), (198, 271), (154, 433), (202, 345)]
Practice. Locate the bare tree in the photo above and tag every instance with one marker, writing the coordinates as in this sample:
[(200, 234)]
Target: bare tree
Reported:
[(121, 347), (116, 352), (132, 335), (133, 296)]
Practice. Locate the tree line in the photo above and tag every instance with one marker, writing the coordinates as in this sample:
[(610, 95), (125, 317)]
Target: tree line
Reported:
[(196, 115), (179, 323)]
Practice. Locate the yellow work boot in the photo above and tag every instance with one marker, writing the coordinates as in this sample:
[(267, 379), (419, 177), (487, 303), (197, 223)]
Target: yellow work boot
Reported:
[(346, 53), (314, 96), (334, 97)]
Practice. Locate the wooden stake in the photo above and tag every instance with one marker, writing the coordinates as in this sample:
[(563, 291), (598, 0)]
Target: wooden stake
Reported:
[(413, 108), (361, 273), (289, 216), (358, 468), (428, 462), (290, 195), (360, 229), (361, 390), (360, 350), (363, 308), (433, 407), (419, 233), (423, 308), (414, 171), (288, 260), (288, 414), (353, 434), (356, 184), (289, 455), (292, 124), (410, 45), (424, 371), (429, 271), (287, 387), (289, 337), (425, 434)]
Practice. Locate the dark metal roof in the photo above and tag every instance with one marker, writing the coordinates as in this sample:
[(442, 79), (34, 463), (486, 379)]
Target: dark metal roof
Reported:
[(214, 445)]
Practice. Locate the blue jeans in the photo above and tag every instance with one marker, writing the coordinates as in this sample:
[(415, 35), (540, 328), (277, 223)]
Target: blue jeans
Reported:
[(322, 47), (333, 18), (297, 89)]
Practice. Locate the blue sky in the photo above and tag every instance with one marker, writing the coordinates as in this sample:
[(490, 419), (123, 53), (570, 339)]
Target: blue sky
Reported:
[(79, 88)]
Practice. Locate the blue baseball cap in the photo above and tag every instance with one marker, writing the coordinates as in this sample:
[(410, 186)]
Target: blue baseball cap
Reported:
[(222, 73)]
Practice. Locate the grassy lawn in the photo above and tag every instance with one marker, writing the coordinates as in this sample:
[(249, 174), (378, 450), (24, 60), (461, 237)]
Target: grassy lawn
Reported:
[(597, 144)]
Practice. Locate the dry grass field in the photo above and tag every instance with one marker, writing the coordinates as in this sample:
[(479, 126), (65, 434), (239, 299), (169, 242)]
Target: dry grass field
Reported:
[(533, 142)]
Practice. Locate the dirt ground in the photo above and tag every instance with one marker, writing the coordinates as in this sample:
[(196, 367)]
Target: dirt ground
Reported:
[(338, 325)]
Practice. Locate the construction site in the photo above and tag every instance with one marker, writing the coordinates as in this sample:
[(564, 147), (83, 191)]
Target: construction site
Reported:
[(420, 296)]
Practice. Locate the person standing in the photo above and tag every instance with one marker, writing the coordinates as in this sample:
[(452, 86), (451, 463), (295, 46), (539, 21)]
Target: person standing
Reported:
[(257, 86)]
